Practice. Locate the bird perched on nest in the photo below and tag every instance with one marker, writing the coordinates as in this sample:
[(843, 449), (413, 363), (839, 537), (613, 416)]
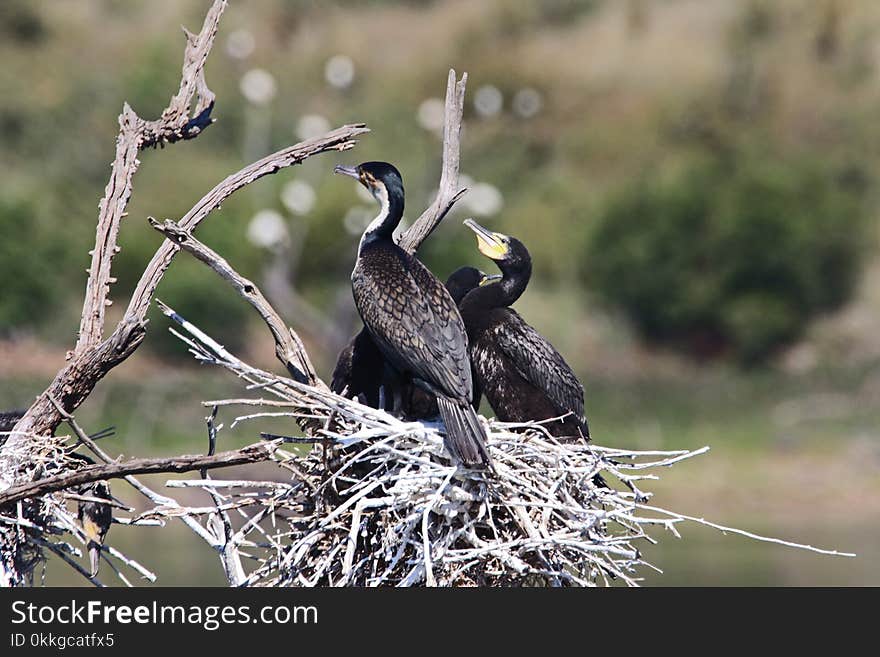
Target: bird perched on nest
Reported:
[(95, 518), (412, 318), (361, 372), (520, 372)]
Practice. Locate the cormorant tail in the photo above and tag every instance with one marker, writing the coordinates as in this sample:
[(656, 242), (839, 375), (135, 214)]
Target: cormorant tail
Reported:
[(465, 437)]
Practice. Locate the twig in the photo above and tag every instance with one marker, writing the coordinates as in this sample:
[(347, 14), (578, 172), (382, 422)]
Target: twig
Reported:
[(288, 345), (449, 191), (250, 454)]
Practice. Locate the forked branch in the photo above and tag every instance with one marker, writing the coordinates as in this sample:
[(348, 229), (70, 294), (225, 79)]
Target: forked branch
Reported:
[(449, 191)]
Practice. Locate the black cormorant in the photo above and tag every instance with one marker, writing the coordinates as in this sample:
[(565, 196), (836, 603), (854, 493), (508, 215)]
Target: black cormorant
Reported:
[(465, 279), (361, 372), (412, 317), (520, 372), (418, 404)]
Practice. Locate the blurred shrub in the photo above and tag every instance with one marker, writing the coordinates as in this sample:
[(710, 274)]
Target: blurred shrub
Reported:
[(729, 257), (21, 22), (29, 264), (202, 298)]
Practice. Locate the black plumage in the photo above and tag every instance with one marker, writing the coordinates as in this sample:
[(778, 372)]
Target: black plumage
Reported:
[(361, 372), (465, 279), (412, 318), (522, 375)]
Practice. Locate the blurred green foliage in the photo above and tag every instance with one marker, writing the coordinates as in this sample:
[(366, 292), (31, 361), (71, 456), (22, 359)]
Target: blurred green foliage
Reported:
[(617, 84), (29, 253), (730, 255)]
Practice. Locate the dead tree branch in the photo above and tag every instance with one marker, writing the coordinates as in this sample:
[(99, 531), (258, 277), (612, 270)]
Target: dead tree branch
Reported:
[(251, 454), (22, 455), (76, 381), (136, 134), (340, 139), (288, 346), (449, 191)]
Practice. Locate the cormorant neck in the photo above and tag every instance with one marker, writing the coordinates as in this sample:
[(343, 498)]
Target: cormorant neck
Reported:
[(390, 214), (515, 279)]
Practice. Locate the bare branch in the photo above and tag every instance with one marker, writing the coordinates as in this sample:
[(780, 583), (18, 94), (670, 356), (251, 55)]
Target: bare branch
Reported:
[(340, 139), (74, 383), (144, 490), (449, 191), (135, 134), (251, 454), (288, 346)]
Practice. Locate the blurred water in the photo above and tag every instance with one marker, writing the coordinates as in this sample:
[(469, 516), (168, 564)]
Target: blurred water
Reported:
[(703, 557)]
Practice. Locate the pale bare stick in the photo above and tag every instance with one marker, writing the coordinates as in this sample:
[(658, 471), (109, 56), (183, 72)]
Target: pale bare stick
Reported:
[(288, 346), (449, 191)]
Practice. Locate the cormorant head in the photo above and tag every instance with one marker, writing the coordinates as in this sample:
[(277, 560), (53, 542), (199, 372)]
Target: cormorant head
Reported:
[(465, 279), (501, 248), (382, 179)]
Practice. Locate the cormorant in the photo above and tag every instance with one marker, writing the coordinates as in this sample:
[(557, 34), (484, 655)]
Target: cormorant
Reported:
[(412, 317), (360, 373), (361, 370), (520, 372), (465, 279), (418, 404)]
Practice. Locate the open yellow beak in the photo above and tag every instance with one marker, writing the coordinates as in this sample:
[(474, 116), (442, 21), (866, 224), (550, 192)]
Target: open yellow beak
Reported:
[(490, 244)]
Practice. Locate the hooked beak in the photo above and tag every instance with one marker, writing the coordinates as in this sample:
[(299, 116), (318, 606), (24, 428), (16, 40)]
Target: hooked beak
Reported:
[(490, 244), (348, 171), (488, 279)]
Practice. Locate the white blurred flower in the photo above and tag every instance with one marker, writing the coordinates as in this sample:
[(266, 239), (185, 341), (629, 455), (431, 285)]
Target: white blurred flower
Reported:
[(339, 71), (258, 86), (431, 113), (484, 199), (357, 219), (312, 125), (488, 100), (240, 44), (267, 229), (527, 102), (298, 197)]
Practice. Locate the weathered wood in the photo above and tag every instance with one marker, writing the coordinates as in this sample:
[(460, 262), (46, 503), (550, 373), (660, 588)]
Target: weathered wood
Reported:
[(135, 134), (76, 381), (449, 191), (288, 346), (187, 463)]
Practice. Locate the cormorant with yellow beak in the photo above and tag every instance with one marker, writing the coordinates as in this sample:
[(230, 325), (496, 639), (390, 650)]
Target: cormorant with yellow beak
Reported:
[(520, 372)]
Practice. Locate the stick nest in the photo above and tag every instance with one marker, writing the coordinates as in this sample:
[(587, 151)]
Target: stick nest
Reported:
[(396, 512)]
